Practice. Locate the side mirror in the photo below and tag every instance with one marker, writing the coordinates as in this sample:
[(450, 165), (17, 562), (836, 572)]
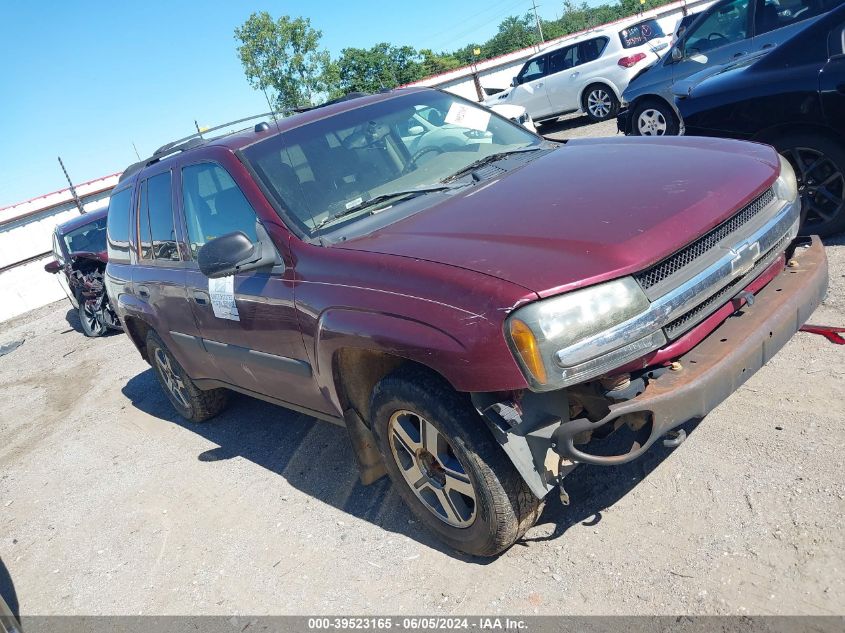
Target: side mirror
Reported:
[(677, 54), (234, 253), (52, 267), (514, 82)]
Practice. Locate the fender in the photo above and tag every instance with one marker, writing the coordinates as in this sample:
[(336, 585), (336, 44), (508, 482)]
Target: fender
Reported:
[(401, 336)]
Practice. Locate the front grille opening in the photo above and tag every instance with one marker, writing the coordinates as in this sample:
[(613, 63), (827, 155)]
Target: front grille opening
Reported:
[(672, 264), (700, 312)]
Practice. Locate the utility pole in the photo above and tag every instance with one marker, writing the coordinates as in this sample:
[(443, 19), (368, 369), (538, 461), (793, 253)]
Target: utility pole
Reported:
[(537, 18), (72, 189)]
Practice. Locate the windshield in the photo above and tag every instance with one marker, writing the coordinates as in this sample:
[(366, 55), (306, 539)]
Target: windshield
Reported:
[(641, 33), (89, 238), (327, 170)]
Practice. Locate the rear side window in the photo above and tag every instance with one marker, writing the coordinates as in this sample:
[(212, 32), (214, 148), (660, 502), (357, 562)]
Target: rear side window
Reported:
[(118, 226), (641, 33), (156, 232), (214, 205)]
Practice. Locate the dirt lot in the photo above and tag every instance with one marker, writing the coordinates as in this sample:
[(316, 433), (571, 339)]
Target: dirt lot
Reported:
[(110, 504)]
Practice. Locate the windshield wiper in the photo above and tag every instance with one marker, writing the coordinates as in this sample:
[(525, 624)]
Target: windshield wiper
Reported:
[(492, 158), (383, 197)]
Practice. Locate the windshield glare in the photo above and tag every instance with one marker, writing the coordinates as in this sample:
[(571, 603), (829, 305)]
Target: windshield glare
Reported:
[(327, 167)]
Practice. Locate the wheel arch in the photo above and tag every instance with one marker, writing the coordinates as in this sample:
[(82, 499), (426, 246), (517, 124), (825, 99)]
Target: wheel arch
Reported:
[(354, 349), (771, 135), (137, 330), (599, 81)]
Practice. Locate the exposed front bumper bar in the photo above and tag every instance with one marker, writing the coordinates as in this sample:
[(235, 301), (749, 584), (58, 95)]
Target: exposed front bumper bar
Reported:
[(721, 363)]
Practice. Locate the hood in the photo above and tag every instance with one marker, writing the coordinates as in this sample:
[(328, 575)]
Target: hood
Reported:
[(101, 256), (592, 210), (685, 87)]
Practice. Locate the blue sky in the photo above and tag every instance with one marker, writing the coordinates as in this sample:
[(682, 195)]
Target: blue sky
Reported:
[(86, 80)]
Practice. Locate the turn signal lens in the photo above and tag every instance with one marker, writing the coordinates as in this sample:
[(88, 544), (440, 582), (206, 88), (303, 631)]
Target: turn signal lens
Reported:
[(526, 345)]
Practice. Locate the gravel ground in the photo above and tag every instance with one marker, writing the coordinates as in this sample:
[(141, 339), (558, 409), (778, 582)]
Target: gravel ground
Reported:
[(111, 504)]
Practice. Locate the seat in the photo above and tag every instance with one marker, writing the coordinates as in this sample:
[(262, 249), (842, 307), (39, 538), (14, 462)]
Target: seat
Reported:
[(766, 18)]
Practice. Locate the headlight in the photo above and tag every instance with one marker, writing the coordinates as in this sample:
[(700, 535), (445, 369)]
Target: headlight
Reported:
[(547, 336), (786, 186)]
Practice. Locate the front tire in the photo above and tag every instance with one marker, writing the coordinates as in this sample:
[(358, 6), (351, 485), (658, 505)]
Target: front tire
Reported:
[(600, 103), (91, 325), (654, 118), (447, 466), (190, 401), (819, 164)]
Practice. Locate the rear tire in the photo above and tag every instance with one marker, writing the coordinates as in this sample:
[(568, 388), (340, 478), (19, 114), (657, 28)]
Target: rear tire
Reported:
[(819, 164), (467, 490), (600, 103), (190, 402), (654, 117)]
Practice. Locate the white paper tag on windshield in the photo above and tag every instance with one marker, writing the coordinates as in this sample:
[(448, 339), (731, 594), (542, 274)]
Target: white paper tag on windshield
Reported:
[(222, 292), (467, 116), (357, 202)]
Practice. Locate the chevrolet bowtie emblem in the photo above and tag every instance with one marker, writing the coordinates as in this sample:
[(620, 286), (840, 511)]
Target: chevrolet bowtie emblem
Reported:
[(744, 258)]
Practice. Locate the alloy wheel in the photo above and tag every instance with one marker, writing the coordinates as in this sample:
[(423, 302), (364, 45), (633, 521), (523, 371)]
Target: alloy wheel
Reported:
[(599, 103), (821, 185), (428, 463), (172, 381), (652, 123), (91, 320)]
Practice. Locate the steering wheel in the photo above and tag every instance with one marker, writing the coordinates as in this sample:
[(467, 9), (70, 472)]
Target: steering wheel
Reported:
[(412, 162), (716, 36)]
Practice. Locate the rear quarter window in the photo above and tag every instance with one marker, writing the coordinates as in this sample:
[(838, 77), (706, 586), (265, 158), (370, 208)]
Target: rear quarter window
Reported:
[(639, 34), (118, 226)]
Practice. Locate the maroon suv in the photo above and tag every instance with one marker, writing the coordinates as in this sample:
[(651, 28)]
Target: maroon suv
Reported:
[(478, 306)]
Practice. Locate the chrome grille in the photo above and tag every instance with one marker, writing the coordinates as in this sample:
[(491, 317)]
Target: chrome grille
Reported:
[(689, 254), (703, 310)]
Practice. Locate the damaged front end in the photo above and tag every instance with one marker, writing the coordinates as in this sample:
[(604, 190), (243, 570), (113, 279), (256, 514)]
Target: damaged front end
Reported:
[(86, 279), (547, 434)]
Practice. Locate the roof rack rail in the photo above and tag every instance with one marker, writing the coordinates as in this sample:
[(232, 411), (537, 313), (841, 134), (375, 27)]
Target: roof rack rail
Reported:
[(186, 143), (347, 97), (176, 145)]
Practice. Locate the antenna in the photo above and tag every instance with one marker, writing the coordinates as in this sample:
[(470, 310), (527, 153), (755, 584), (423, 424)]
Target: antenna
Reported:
[(272, 109), (136, 150), (72, 189)]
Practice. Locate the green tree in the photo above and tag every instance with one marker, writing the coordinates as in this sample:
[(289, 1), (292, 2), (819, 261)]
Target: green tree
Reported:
[(514, 33), (284, 55), (377, 68), (436, 63)]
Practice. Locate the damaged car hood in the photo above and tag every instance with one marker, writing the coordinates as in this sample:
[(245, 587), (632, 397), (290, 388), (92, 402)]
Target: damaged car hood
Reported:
[(592, 210)]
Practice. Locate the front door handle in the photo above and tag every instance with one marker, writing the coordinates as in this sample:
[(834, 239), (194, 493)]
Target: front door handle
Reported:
[(540, 85), (770, 45), (574, 75), (201, 298), (143, 292), (740, 54)]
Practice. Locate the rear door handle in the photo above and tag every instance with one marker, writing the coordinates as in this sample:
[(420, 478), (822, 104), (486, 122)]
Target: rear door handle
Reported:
[(143, 292), (201, 298), (765, 46)]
